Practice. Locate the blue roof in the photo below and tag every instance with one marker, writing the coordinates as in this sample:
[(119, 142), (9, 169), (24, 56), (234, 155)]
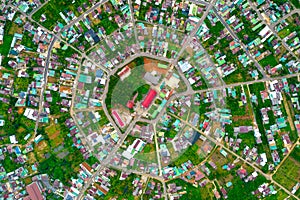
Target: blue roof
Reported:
[(99, 73), (18, 150)]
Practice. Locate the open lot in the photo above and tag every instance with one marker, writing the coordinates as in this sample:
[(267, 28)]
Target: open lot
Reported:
[(269, 60), (289, 172), (40, 149), (53, 132)]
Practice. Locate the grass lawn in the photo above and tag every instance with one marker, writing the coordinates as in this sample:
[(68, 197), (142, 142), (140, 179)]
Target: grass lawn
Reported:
[(289, 172), (296, 3), (120, 92), (284, 32), (269, 60), (191, 153), (9, 165), (241, 74), (31, 158), (248, 139), (51, 11), (171, 133), (21, 84), (149, 148), (27, 41), (54, 134), (291, 27), (150, 157), (103, 119), (27, 180), (122, 188), (5, 47), (109, 26), (15, 28), (233, 104), (279, 195)]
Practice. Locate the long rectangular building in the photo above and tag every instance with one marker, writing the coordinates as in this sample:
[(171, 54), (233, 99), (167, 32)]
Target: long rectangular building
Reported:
[(34, 191), (149, 98)]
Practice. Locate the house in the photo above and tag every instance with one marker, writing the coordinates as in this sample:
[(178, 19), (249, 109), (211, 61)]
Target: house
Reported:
[(286, 140), (184, 66), (134, 148), (13, 139), (223, 152), (224, 193), (34, 191), (86, 167), (217, 194)]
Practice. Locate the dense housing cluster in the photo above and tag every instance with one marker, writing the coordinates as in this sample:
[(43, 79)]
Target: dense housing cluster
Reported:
[(142, 99)]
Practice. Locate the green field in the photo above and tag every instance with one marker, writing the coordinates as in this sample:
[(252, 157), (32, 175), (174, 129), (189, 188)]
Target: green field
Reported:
[(9, 165), (269, 60), (5, 47), (296, 3), (52, 9), (119, 188), (191, 153), (21, 84), (103, 119), (149, 148), (289, 172), (194, 192)]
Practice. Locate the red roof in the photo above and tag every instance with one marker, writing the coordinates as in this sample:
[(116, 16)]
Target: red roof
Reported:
[(34, 191), (149, 98), (124, 71), (136, 144), (87, 166), (130, 104), (116, 115)]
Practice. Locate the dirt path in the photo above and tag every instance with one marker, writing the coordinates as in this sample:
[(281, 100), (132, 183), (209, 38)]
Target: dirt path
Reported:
[(288, 111)]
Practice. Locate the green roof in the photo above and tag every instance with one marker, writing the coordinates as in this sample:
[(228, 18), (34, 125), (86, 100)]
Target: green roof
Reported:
[(163, 66)]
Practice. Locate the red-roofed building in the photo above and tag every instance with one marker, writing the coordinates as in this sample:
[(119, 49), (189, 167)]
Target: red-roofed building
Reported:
[(136, 144), (118, 118), (103, 190), (34, 191), (130, 104), (125, 72), (149, 98)]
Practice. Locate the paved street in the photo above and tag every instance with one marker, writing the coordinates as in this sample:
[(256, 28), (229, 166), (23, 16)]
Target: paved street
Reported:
[(285, 17), (273, 30), (44, 84), (106, 162), (268, 176), (257, 65)]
